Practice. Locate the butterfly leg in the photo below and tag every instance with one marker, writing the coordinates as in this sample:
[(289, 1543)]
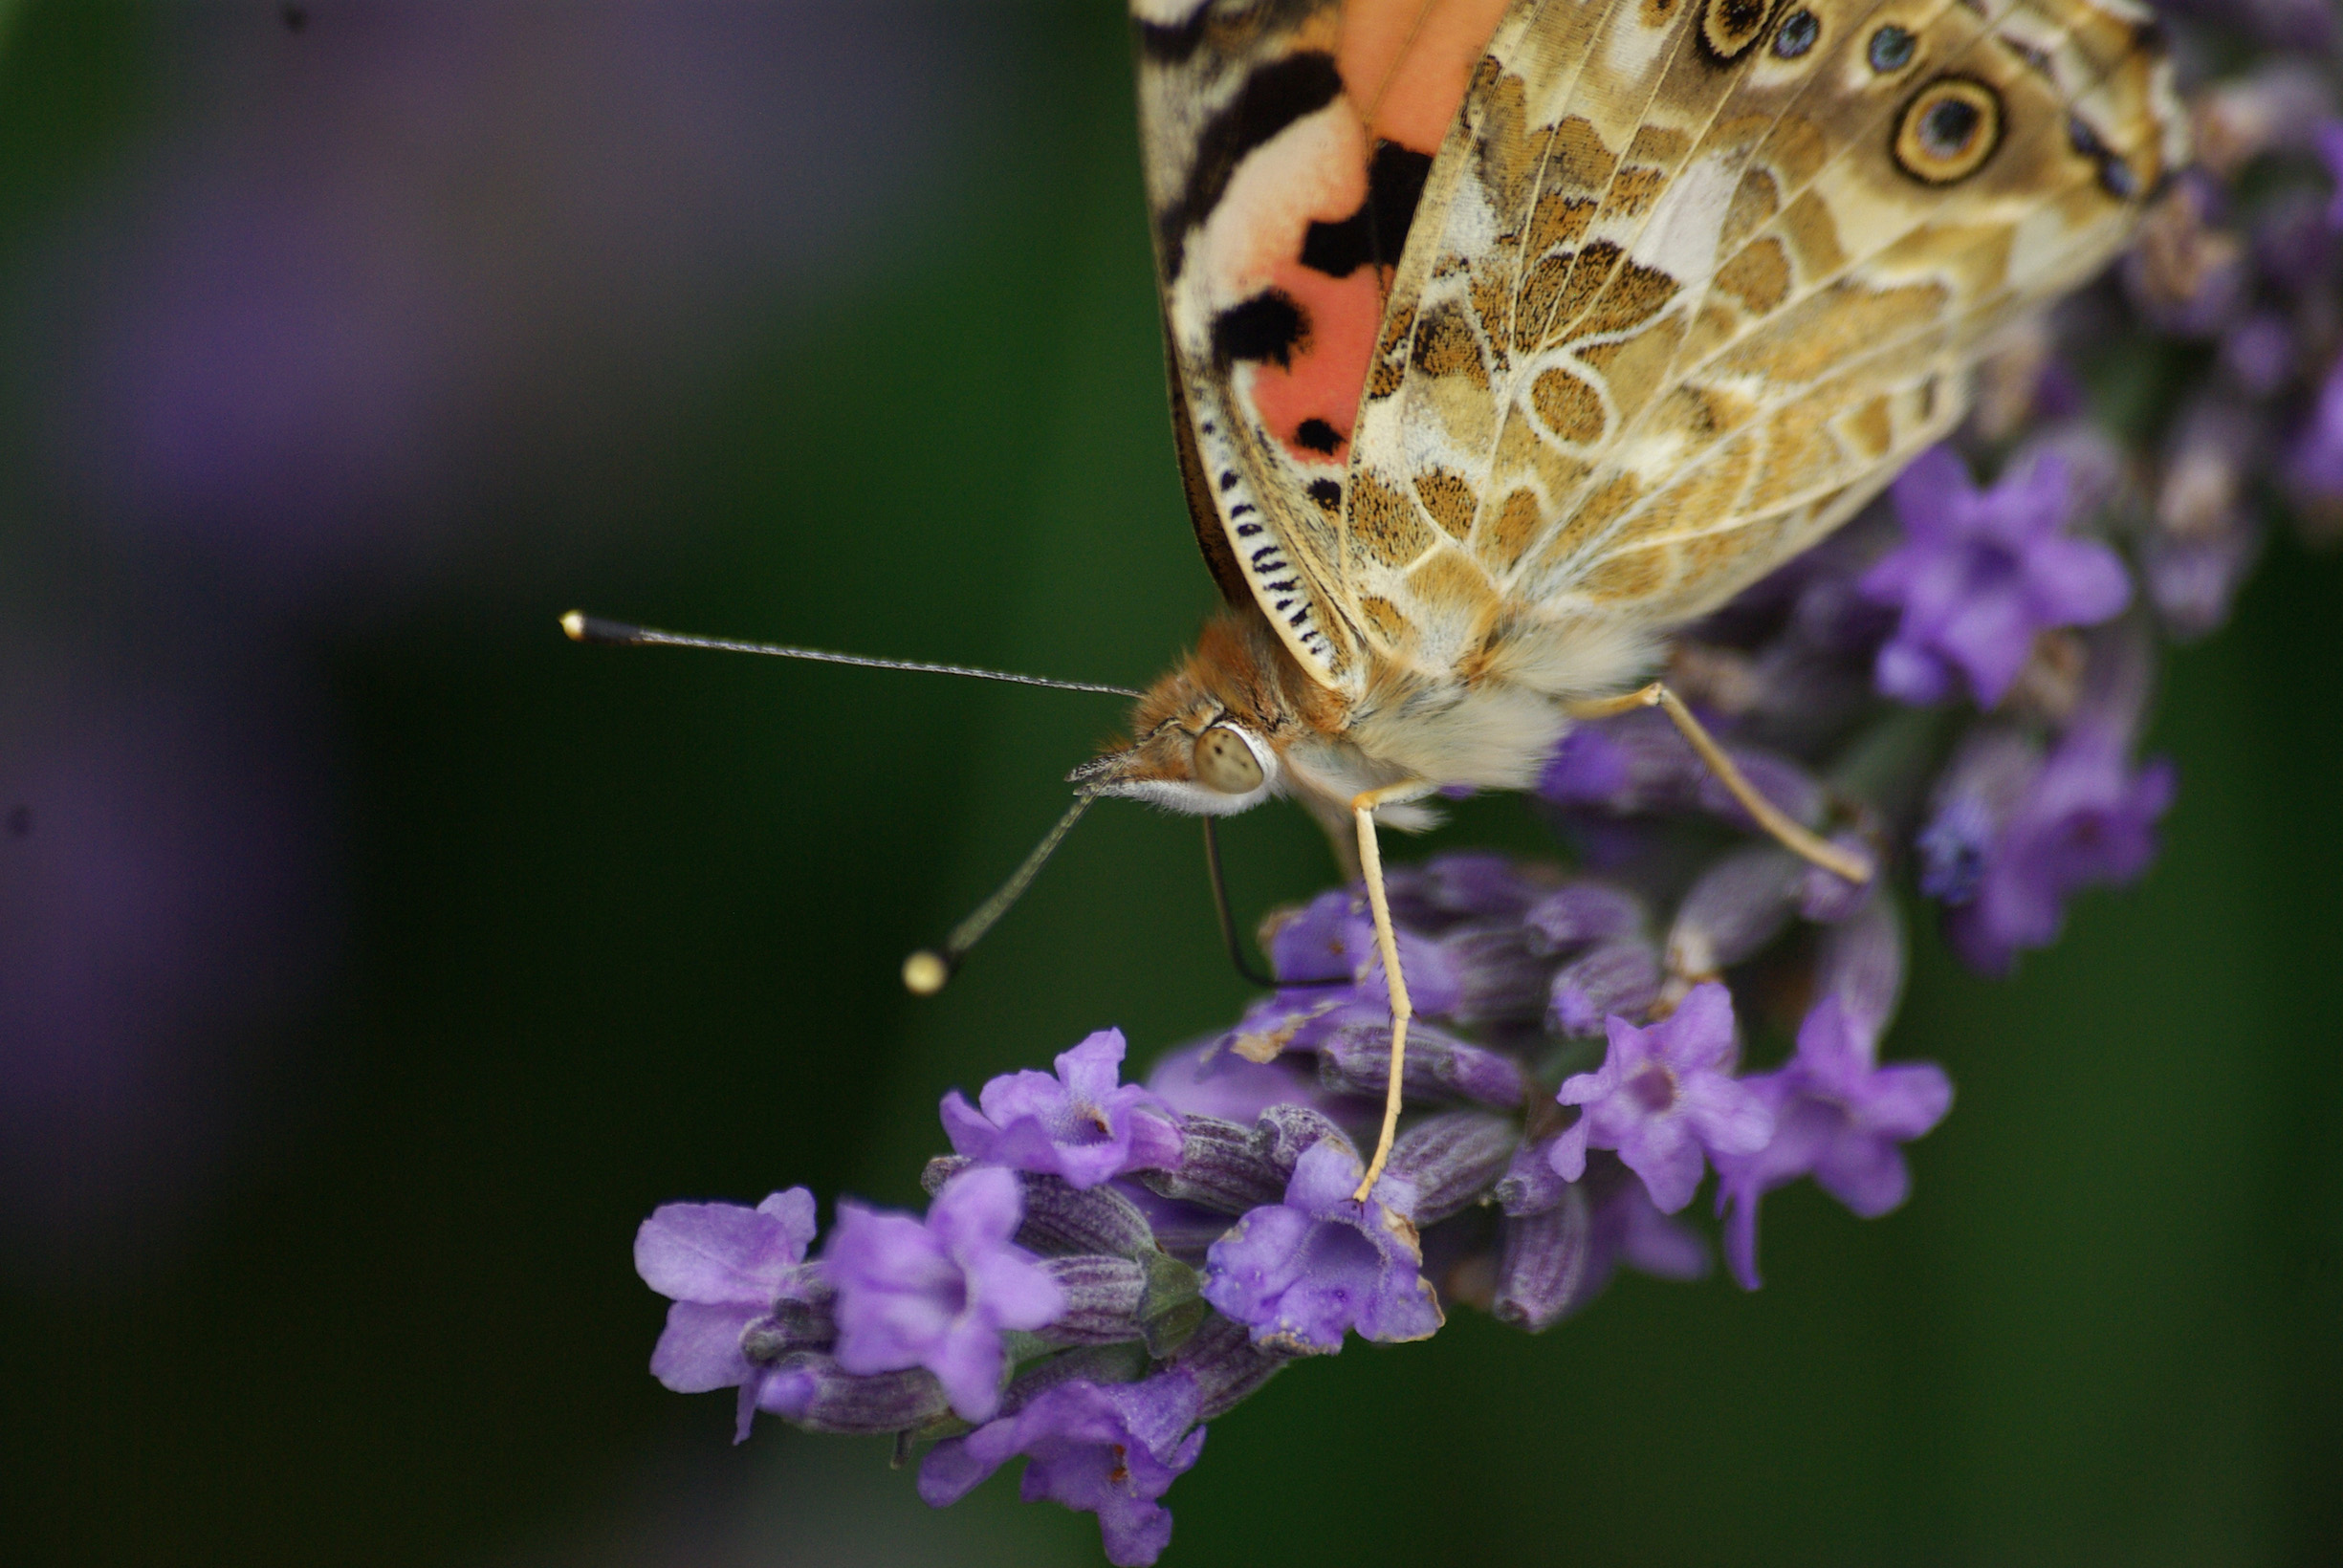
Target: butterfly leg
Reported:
[(1829, 856), (1387, 941)]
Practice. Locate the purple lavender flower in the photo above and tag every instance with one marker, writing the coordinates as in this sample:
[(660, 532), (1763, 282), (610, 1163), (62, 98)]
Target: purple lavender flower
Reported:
[(1638, 763), (1109, 1450), (1083, 1124), (938, 1294), (2317, 464), (724, 1265), (1205, 1080), (1838, 1117), (1665, 1099), (2087, 816), (1981, 573), (1300, 1272)]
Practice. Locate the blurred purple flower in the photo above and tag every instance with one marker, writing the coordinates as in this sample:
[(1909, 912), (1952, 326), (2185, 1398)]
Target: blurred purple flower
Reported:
[(1302, 1272), (1838, 1117), (724, 1266), (1981, 573), (166, 908), (1109, 1450), (1083, 1124), (1665, 1098), (324, 286), (2087, 816), (939, 1293), (2316, 464)]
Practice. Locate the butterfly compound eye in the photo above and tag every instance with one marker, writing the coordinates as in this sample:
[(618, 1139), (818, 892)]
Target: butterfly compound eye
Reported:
[(1224, 763)]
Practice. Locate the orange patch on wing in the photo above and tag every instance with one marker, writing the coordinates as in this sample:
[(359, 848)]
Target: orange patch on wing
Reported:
[(1412, 100), (1328, 370)]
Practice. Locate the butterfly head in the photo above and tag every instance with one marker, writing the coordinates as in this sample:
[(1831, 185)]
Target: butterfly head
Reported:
[(1207, 734)]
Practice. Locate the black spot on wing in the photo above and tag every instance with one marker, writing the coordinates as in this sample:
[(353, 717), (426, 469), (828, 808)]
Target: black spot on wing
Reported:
[(1377, 232), (2115, 176), (1328, 493), (1264, 327), (1272, 99), (1318, 436)]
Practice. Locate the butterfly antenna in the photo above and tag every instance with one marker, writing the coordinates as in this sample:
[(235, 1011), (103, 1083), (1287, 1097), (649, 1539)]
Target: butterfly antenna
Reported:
[(925, 971), (583, 627)]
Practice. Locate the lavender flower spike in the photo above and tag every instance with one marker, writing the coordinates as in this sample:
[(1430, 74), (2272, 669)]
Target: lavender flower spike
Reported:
[(1981, 573), (724, 1265), (938, 1294), (1838, 1117), (1083, 1125), (1300, 1272), (1109, 1450), (1665, 1098)]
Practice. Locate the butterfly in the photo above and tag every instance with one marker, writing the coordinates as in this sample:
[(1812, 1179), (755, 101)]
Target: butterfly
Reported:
[(1505, 338)]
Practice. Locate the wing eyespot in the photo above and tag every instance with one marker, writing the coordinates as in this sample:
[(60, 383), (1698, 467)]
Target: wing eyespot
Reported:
[(1729, 27), (1948, 130), (1892, 49), (1797, 34)]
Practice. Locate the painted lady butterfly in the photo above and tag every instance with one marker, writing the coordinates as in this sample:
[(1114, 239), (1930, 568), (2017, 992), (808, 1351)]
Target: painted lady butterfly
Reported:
[(1505, 338)]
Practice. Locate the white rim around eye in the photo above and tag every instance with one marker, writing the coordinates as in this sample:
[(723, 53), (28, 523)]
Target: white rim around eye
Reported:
[(1230, 762)]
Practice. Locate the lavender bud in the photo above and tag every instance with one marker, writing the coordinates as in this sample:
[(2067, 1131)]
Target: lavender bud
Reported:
[(1583, 912), (1357, 1059), (1861, 963), (2185, 275), (1103, 1297), (1283, 1134), (1227, 1365), (1059, 1218), (1101, 1364), (1452, 1160), (1530, 1185), (1500, 974), (1796, 791), (808, 1391), (1220, 1168), (1449, 889), (1620, 977), (1738, 905), (2193, 582), (1827, 898), (941, 1169), (1542, 1271), (798, 1321)]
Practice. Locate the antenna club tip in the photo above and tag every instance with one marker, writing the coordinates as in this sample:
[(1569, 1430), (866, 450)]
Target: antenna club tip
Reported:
[(924, 973), (574, 626)]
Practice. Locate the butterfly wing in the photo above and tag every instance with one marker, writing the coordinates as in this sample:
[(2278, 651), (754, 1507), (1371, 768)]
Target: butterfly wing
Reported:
[(1695, 277), (1285, 144)]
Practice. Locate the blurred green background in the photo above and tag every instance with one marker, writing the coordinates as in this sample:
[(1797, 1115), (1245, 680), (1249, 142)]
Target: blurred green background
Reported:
[(420, 953)]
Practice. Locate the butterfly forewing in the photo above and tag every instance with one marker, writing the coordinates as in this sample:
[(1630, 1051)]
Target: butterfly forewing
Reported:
[(1285, 147), (1510, 337)]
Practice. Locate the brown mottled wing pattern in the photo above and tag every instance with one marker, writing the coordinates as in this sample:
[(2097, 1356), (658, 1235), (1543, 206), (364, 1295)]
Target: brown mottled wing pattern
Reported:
[(1694, 279)]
